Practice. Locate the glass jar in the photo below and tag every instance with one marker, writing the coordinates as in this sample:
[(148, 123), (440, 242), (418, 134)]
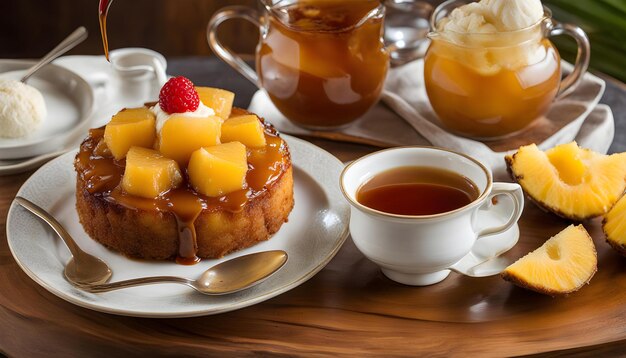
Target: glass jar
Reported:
[(493, 85)]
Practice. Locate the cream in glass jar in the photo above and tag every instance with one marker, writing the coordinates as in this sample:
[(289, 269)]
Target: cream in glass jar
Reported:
[(491, 70)]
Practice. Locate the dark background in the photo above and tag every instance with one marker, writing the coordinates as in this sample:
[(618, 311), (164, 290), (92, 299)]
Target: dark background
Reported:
[(29, 28)]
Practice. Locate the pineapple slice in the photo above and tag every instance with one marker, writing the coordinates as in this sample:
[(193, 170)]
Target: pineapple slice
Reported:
[(149, 174), (221, 101), (571, 182), (218, 170), (129, 128), (181, 136), (560, 266), (614, 226), (245, 129)]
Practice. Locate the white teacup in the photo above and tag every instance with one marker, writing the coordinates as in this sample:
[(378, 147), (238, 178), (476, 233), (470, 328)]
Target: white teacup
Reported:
[(420, 250)]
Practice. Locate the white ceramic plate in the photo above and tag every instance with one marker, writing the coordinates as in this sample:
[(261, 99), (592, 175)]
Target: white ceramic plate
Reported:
[(14, 166), (317, 227), (69, 101)]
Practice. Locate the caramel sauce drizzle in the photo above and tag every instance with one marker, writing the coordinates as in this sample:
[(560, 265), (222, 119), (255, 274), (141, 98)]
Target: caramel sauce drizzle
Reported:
[(103, 11), (103, 175)]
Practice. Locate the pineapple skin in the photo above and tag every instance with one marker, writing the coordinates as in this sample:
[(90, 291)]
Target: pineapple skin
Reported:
[(541, 205), (518, 281), (620, 248), (614, 243)]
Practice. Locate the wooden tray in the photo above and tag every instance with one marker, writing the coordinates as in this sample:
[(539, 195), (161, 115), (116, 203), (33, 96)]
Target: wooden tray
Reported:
[(348, 308)]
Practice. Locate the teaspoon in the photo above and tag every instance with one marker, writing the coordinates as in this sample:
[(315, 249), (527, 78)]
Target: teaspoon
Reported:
[(82, 268), (227, 277), (79, 35)]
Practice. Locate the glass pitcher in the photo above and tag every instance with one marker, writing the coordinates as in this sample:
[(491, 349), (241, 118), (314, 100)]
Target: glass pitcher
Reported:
[(493, 85), (322, 63)]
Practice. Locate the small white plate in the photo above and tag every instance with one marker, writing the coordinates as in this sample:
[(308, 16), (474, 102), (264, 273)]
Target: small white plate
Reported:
[(69, 101), (14, 166), (317, 227)]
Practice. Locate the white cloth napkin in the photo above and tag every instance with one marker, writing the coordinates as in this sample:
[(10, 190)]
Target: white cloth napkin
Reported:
[(405, 117)]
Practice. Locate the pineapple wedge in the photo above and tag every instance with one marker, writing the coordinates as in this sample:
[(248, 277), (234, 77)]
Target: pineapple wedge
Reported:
[(181, 136), (571, 182), (128, 128), (562, 265), (218, 170), (221, 101), (149, 174), (614, 226), (247, 130)]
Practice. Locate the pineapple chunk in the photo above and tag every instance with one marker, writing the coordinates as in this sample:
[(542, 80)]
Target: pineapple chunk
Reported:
[(245, 129), (218, 170), (221, 101), (149, 174), (560, 266), (129, 128), (571, 182), (181, 136), (614, 226)]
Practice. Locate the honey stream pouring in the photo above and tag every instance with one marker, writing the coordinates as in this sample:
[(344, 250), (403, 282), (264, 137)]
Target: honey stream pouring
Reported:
[(103, 11)]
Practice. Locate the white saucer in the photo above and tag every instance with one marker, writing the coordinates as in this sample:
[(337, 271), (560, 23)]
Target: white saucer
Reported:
[(69, 102), (317, 227), (476, 263)]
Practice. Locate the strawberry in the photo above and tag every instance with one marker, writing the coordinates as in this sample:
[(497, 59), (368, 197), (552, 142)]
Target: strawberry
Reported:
[(178, 95)]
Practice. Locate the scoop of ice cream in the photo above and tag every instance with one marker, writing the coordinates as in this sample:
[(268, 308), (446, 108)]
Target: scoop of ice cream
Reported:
[(511, 15), (470, 18), (493, 16), (22, 109)]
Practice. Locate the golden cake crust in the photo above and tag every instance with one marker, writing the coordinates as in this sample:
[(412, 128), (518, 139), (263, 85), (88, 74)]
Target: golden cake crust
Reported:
[(153, 235)]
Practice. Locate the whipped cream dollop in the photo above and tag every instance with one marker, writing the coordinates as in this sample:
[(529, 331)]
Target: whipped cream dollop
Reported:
[(161, 116), (22, 109), (489, 16)]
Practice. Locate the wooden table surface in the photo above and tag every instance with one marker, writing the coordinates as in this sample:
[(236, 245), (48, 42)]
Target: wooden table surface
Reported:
[(349, 308)]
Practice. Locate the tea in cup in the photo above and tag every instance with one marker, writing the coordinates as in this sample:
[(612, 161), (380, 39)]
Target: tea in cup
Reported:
[(323, 63), (417, 211), (488, 78)]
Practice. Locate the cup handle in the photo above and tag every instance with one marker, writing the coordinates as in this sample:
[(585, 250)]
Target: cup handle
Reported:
[(234, 60), (569, 83), (490, 254), (513, 191)]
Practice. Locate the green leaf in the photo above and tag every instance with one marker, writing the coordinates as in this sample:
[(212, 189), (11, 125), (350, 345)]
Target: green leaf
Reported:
[(604, 21)]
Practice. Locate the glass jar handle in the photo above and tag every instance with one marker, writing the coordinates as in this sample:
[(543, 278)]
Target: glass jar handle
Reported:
[(234, 60), (569, 83)]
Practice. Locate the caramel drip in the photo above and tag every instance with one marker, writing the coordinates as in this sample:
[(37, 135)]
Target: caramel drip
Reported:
[(186, 207), (103, 11), (103, 175)]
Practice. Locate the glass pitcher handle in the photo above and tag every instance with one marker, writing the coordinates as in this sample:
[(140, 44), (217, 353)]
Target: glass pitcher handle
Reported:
[(569, 83), (234, 60)]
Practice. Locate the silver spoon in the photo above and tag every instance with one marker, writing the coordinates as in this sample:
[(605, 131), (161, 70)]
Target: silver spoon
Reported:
[(82, 268), (79, 35), (227, 277)]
